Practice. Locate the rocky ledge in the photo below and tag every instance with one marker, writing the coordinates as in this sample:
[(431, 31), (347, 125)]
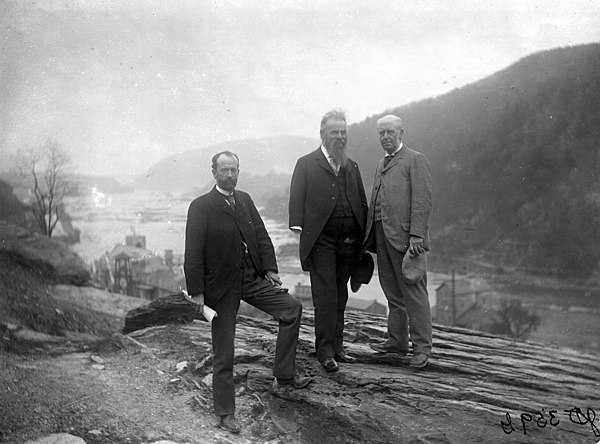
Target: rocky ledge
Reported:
[(51, 258), (476, 388)]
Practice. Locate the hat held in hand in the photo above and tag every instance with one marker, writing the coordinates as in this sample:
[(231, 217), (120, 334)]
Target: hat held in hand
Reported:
[(362, 272), (414, 267)]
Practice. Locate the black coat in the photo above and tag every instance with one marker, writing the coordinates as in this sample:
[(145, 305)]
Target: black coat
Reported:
[(213, 243), (313, 195)]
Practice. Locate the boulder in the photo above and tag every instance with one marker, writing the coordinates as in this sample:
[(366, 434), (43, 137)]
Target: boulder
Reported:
[(58, 438), (163, 310), (49, 257)]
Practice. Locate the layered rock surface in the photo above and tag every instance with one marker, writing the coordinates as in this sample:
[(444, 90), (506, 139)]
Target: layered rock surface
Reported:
[(476, 387)]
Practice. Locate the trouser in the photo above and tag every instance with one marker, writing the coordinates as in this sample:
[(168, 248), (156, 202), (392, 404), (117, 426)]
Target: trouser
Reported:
[(331, 260), (408, 303), (260, 293)]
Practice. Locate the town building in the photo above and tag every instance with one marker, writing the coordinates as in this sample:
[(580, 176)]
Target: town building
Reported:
[(134, 270), (465, 303)]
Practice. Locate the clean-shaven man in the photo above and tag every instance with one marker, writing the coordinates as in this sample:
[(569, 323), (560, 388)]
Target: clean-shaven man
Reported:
[(397, 224)]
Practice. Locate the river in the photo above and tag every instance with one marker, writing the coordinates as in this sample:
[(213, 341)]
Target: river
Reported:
[(105, 220)]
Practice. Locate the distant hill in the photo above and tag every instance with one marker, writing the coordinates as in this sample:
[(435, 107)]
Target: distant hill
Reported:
[(266, 166), (515, 161), (273, 157)]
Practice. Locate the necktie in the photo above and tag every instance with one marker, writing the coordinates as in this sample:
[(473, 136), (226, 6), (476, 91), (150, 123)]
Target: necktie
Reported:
[(230, 200), (387, 159), (334, 165)]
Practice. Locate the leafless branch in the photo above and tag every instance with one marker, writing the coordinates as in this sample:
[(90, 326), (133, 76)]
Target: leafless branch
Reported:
[(49, 170)]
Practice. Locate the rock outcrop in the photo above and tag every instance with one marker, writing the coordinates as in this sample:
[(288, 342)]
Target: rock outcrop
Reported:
[(166, 309), (50, 257), (476, 388)]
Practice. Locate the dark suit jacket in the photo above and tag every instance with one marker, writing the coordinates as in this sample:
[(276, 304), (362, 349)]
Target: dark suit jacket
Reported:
[(314, 193), (405, 187), (213, 243)]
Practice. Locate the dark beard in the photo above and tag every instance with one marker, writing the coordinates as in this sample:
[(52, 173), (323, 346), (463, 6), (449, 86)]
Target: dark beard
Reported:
[(227, 184), (339, 155)]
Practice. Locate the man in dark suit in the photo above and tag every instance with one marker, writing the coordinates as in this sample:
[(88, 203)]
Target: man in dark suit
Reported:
[(328, 207), (397, 224), (229, 257)]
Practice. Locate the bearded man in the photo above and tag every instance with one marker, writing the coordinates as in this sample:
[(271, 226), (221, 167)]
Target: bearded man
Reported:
[(328, 208)]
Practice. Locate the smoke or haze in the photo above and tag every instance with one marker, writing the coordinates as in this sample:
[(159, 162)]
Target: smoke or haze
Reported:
[(123, 85)]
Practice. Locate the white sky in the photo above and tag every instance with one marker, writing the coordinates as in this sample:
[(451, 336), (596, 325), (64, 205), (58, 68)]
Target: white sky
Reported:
[(124, 84)]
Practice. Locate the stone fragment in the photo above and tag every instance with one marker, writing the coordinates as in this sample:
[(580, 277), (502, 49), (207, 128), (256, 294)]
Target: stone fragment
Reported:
[(58, 438), (207, 380), (127, 343), (181, 366)]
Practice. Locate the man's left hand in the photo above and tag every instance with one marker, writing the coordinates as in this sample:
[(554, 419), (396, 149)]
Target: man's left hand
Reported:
[(273, 278), (416, 245)]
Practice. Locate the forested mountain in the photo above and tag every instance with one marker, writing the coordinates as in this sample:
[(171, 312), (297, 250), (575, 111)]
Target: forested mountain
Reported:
[(515, 161)]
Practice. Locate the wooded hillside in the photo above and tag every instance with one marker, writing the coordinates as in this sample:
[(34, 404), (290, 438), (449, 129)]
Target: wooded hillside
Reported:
[(514, 159)]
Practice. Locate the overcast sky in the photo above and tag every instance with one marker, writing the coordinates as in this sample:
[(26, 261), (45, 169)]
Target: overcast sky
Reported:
[(124, 84)]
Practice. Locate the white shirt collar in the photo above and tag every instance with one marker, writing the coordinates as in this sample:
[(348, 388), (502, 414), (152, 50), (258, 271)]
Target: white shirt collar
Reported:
[(397, 150), (325, 153), (223, 192)]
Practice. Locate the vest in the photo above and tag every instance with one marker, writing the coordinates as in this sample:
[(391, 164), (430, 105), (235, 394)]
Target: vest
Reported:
[(342, 206), (377, 209)]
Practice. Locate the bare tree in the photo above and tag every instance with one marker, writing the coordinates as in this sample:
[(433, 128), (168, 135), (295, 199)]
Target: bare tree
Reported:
[(49, 170), (514, 320)]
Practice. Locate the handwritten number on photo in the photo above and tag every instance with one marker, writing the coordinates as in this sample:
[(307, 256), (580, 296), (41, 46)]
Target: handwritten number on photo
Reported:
[(575, 415)]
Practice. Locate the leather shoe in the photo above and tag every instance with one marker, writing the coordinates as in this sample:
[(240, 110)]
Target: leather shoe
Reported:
[(385, 348), (343, 357), (419, 360), (330, 365), (296, 382), (229, 423)]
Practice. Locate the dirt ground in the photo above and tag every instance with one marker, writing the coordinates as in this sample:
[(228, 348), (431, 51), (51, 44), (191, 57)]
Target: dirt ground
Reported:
[(105, 395), (84, 384)]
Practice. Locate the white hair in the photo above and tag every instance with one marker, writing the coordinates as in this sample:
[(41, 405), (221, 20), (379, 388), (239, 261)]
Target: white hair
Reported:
[(390, 118)]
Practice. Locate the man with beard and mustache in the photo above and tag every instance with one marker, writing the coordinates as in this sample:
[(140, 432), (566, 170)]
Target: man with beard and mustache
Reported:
[(328, 208), (397, 225), (229, 257)]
